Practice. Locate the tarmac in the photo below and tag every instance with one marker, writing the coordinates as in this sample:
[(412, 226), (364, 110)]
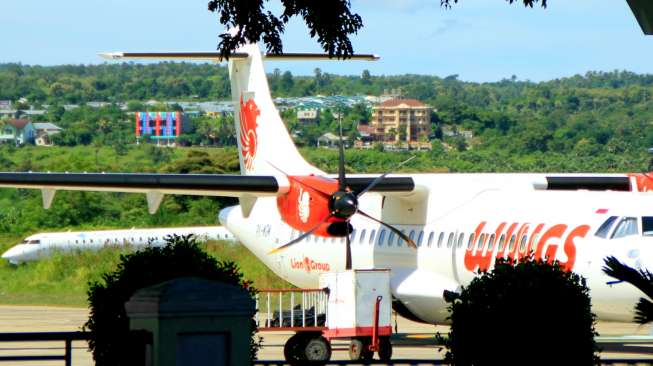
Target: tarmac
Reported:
[(414, 340)]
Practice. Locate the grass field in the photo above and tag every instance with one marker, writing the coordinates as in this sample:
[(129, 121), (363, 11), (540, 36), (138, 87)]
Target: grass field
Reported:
[(63, 279)]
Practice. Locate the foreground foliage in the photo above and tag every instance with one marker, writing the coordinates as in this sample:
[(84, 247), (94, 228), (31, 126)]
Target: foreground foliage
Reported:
[(530, 313), (181, 257), (640, 278)]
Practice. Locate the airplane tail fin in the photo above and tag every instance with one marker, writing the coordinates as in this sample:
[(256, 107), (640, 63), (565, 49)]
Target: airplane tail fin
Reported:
[(264, 144)]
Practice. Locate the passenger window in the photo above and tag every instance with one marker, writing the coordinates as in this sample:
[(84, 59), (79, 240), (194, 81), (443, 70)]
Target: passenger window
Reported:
[(470, 242), (430, 241), (450, 240), (604, 229), (420, 237), (490, 246), (534, 241), (381, 237), (391, 237), (626, 227), (480, 243), (502, 242), (411, 236), (361, 238), (461, 238), (400, 240), (352, 235), (511, 246), (372, 234), (647, 225), (522, 245), (440, 239)]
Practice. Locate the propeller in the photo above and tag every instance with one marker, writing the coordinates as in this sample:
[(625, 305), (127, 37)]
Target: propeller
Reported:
[(343, 204)]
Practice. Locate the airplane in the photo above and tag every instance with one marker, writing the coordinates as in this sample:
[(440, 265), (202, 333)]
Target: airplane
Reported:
[(43, 245), (434, 231)]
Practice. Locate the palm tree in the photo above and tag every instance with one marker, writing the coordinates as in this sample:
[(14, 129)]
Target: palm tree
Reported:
[(642, 279)]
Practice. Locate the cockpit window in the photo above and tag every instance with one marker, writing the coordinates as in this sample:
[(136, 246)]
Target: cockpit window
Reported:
[(626, 227), (24, 241), (34, 242), (647, 225), (604, 229)]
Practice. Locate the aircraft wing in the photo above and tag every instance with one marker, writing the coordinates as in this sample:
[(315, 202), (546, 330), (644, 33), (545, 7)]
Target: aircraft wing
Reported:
[(643, 11), (156, 186)]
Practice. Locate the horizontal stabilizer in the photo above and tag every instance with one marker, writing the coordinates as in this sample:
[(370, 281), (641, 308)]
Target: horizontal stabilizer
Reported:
[(217, 56)]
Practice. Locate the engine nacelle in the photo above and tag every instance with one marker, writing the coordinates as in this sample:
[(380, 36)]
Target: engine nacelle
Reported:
[(306, 205)]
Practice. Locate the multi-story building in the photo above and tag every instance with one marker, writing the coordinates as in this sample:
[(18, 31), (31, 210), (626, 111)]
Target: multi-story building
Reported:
[(161, 127), (402, 120)]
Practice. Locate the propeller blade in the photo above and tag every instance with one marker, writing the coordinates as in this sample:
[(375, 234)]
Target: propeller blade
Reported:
[(380, 178), (408, 241), (342, 182), (299, 238), (348, 250)]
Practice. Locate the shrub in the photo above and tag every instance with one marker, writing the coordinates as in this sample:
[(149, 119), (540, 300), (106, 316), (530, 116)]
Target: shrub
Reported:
[(181, 257), (530, 313)]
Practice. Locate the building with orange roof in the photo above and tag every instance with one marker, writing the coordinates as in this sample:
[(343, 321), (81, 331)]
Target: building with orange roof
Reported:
[(17, 130)]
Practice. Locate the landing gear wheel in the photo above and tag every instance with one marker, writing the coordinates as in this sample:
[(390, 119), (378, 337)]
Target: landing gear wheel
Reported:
[(359, 349), (385, 349), (293, 350), (317, 351)]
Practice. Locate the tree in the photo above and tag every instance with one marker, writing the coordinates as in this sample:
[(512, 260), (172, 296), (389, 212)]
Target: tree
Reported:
[(332, 22), (642, 279), (518, 308), (111, 339), (366, 77)]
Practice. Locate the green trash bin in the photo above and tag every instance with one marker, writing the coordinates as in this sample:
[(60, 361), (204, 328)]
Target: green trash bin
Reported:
[(193, 321)]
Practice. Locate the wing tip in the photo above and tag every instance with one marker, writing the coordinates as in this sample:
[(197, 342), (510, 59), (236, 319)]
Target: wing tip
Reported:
[(111, 55)]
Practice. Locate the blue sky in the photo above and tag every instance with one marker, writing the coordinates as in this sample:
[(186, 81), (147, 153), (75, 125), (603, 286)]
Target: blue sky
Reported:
[(481, 40)]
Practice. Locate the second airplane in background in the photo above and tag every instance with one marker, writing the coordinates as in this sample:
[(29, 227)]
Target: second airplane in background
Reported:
[(43, 245)]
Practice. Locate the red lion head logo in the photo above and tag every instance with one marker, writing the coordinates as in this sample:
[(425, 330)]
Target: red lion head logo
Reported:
[(249, 112)]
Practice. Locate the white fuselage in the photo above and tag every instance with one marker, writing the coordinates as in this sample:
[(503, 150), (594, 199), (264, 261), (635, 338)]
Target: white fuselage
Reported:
[(42, 245), (465, 222)]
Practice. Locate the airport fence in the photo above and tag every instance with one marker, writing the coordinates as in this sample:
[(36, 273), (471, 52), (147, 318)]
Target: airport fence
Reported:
[(615, 361), (66, 337)]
